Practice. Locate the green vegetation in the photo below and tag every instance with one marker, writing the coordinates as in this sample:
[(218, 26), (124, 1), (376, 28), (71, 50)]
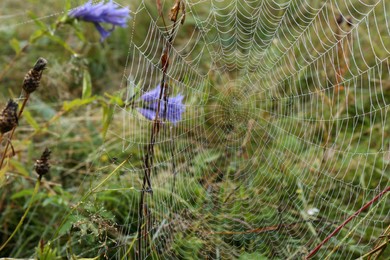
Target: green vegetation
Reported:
[(277, 146)]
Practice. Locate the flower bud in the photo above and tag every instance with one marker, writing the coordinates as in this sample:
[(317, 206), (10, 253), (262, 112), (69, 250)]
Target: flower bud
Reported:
[(33, 77), (9, 117), (42, 165)]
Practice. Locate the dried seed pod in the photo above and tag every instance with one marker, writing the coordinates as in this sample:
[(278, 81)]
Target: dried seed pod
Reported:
[(339, 19), (42, 165), (9, 117), (33, 77)]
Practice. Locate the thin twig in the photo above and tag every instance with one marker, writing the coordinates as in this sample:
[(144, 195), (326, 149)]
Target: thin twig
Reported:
[(315, 250), (385, 235)]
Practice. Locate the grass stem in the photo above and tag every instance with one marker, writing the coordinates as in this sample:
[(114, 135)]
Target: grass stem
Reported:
[(38, 183)]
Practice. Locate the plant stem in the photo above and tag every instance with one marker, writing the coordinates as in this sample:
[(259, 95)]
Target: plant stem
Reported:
[(13, 131), (148, 160), (38, 183), (379, 246)]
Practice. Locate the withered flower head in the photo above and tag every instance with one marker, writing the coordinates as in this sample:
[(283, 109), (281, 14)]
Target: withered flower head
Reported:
[(9, 117), (33, 77), (339, 19), (42, 165)]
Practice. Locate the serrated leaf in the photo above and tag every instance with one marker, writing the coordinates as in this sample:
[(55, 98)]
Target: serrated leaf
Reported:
[(87, 85), (30, 120), (68, 224), (15, 44)]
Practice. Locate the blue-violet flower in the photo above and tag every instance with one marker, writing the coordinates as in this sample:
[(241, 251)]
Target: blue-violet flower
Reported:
[(102, 12), (175, 106)]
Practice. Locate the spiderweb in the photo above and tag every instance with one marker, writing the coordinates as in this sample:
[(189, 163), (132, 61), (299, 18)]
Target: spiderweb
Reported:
[(285, 133)]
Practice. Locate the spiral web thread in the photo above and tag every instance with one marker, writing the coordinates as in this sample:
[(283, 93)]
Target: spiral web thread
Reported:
[(285, 134), (289, 78)]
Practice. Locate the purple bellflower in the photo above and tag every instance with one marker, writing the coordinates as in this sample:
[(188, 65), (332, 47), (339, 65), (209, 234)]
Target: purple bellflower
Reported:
[(102, 12), (175, 106)]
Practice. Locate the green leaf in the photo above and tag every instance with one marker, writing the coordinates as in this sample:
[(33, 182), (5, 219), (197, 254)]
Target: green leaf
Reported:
[(46, 253), (115, 100), (87, 85), (22, 193), (132, 89), (108, 111), (77, 103), (2, 175), (59, 40), (15, 44), (29, 118), (37, 20), (68, 224), (36, 35), (19, 167)]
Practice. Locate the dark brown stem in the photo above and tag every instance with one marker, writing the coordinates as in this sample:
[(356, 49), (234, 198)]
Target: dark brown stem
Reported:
[(315, 250), (148, 161)]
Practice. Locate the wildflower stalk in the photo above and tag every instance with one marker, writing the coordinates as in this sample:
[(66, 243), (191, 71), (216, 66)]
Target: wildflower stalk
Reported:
[(37, 185), (148, 160), (30, 83)]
